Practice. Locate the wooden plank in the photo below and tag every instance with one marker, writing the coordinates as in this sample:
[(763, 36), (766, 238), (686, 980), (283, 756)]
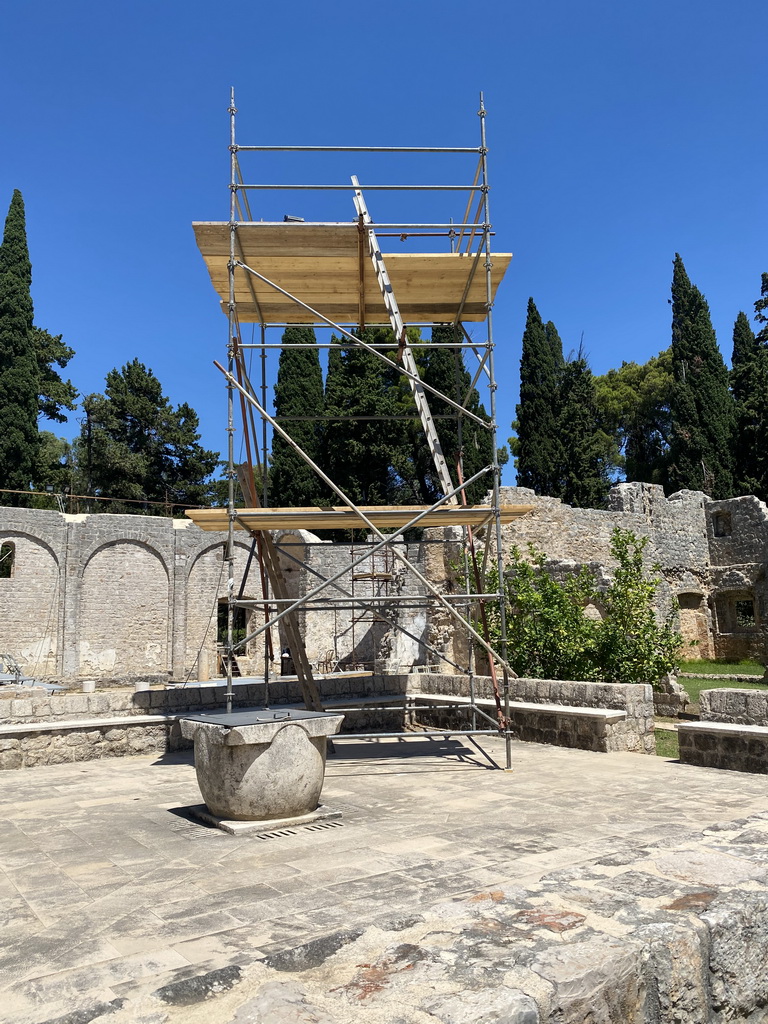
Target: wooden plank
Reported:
[(345, 518), (320, 264), (290, 313)]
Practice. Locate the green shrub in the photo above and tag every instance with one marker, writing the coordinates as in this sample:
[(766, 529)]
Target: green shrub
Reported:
[(549, 637)]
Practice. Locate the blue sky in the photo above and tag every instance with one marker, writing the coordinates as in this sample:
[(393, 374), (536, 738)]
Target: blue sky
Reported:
[(619, 134)]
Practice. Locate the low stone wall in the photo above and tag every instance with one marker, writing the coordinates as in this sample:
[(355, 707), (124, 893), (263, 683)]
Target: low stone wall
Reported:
[(43, 707), (738, 748), (54, 728), (670, 698), (634, 733), (46, 729), (739, 707), (35, 744)]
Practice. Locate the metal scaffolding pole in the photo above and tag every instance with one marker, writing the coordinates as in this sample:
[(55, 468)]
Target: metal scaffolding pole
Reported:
[(330, 593), (496, 501)]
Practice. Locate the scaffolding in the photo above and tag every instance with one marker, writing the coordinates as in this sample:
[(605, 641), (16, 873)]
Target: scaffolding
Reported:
[(334, 274)]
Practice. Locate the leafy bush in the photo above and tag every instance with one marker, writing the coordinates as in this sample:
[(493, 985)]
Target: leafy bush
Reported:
[(550, 637)]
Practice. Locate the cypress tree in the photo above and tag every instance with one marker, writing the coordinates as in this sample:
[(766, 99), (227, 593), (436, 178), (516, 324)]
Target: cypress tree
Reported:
[(367, 458), (298, 392), (444, 369), (749, 384), (584, 480), (537, 445), (702, 408), (19, 378)]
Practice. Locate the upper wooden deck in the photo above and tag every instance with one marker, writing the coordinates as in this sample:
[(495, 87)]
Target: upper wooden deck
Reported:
[(328, 267)]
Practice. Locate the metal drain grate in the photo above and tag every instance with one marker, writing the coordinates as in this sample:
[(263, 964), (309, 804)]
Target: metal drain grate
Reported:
[(280, 833), (322, 825), (191, 830)]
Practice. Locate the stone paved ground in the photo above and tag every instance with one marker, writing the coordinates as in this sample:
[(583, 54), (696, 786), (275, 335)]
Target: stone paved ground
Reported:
[(116, 906)]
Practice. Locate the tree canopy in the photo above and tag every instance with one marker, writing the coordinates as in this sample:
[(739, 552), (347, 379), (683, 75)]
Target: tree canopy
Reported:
[(634, 407), (442, 367), (19, 374), (366, 457), (583, 479), (135, 445), (703, 422), (298, 393), (749, 384), (537, 447)]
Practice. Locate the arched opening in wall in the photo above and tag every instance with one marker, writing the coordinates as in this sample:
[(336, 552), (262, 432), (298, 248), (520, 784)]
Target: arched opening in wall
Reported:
[(240, 622), (7, 559)]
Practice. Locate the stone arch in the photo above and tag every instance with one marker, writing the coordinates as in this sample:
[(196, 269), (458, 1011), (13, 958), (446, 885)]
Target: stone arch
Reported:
[(124, 611), (206, 587), (30, 600)]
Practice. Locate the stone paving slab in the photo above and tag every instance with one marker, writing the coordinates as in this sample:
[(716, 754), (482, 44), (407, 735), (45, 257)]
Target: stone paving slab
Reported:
[(450, 891)]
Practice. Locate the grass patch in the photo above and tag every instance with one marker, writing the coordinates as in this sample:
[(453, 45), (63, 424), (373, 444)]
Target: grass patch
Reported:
[(666, 743), (693, 687), (723, 667)]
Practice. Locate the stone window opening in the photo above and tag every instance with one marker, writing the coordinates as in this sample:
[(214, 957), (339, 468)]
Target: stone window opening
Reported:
[(745, 614), (736, 613), (7, 559), (721, 524)]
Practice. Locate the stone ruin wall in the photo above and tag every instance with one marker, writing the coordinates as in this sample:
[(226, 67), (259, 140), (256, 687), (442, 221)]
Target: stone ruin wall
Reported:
[(124, 597)]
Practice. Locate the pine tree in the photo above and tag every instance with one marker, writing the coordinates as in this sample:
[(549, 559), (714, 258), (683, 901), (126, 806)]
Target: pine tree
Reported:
[(584, 482), (634, 405), (537, 445), (298, 392), (55, 394), (19, 377), (135, 445), (702, 408)]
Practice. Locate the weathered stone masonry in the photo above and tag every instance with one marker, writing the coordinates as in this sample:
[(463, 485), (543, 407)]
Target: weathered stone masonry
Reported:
[(108, 596), (121, 597), (127, 597), (712, 554)]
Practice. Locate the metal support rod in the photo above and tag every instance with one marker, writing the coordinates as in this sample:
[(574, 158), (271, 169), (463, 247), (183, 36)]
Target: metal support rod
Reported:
[(496, 468), (411, 229), (357, 341), (384, 346), (474, 347), (475, 379), (358, 149), (384, 540), (232, 329), (263, 187)]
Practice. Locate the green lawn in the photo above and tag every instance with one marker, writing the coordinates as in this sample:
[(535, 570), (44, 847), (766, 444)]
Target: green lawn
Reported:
[(746, 668), (693, 687), (666, 739), (666, 743)]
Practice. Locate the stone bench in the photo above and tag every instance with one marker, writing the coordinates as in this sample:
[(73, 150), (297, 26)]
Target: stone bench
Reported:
[(739, 748), (561, 725), (27, 745)]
